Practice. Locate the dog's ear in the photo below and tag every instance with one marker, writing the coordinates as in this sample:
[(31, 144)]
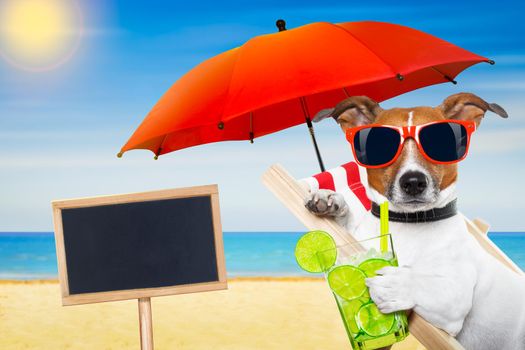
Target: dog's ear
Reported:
[(323, 114), (353, 111), (467, 106)]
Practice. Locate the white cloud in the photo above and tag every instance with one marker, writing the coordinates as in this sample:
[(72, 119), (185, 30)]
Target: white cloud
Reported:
[(494, 142), (31, 178)]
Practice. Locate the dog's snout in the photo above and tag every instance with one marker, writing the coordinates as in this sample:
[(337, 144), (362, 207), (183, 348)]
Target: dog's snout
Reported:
[(413, 182)]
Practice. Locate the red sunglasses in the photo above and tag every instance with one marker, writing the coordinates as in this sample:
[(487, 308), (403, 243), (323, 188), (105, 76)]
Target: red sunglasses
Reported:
[(441, 142)]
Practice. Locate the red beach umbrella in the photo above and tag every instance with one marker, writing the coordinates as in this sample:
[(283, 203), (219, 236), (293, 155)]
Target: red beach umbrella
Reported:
[(276, 81)]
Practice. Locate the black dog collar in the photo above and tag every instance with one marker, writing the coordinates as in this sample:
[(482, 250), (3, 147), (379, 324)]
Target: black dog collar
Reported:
[(420, 216)]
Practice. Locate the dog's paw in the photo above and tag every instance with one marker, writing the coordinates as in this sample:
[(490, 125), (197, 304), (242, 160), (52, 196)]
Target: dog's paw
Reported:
[(326, 203), (390, 289)]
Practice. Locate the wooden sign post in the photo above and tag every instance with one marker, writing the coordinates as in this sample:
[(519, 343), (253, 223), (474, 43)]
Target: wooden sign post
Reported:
[(146, 324), (139, 245)]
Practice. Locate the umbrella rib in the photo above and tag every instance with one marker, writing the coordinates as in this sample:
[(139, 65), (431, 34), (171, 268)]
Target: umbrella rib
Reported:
[(372, 51), (230, 81), (445, 75), (251, 127), (160, 146), (399, 76)]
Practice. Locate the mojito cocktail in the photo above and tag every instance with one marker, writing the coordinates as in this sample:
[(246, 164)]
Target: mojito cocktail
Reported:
[(365, 325)]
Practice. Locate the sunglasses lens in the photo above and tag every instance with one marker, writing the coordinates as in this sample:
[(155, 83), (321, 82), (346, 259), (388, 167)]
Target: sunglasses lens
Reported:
[(376, 146), (444, 142)]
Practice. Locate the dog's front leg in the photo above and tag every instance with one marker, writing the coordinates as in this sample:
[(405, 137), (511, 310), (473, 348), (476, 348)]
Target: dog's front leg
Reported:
[(441, 294), (328, 203)]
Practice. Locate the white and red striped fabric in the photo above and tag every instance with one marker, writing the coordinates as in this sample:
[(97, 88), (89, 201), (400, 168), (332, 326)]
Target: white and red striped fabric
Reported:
[(346, 180)]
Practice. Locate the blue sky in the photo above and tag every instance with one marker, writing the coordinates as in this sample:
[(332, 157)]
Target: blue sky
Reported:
[(60, 129)]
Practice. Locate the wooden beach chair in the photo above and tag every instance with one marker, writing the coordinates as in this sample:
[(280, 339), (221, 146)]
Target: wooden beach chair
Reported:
[(292, 193)]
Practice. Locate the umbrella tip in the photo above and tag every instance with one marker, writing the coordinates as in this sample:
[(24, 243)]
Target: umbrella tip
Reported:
[(491, 62), (156, 157), (281, 24), (119, 155)]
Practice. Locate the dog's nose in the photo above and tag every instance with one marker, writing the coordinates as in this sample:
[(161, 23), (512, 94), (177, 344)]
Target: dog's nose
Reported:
[(413, 182)]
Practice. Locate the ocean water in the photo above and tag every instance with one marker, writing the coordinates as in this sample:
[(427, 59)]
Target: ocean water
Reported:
[(32, 255)]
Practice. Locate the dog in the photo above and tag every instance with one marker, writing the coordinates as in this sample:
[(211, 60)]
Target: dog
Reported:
[(443, 274)]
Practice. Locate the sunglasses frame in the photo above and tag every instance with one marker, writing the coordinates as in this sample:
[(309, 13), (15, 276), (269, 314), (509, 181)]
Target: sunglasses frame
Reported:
[(410, 132)]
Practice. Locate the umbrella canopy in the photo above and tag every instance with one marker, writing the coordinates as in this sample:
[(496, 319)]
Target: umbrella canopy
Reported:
[(279, 80)]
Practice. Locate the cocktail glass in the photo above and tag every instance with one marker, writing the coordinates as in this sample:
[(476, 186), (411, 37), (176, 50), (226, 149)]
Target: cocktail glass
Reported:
[(365, 325)]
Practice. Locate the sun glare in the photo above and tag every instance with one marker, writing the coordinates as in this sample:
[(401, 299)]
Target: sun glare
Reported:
[(38, 34)]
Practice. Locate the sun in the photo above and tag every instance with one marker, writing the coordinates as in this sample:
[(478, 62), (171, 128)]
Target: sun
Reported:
[(39, 34)]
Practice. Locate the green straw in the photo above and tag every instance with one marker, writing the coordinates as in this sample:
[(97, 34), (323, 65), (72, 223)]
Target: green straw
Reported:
[(383, 220)]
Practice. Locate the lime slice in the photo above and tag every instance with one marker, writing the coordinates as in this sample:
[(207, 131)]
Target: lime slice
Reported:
[(349, 308), (347, 281), (309, 245), (370, 266), (373, 322)]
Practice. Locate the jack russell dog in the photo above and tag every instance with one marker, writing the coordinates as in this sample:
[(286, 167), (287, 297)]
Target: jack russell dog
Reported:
[(411, 157)]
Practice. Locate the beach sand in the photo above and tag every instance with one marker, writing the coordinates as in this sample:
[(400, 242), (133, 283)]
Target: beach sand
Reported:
[(254, 313)]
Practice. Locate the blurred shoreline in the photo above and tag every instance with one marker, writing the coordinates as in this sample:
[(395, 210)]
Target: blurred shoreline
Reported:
[(31, 255)]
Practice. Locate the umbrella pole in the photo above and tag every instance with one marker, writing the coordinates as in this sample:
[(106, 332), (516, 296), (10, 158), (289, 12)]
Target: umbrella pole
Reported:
[(314, 141), (312, 134)]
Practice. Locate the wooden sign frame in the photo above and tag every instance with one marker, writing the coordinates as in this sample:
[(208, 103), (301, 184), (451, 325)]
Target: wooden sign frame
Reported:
[(86, 298)]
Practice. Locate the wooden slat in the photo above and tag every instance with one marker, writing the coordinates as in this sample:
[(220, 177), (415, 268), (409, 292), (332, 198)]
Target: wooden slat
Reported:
[(485, 242), (290, 192), (292, 195), (481, 224), (429, 336)]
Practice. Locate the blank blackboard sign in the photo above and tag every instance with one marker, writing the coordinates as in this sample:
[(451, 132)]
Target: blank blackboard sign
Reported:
[(139, 245)]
